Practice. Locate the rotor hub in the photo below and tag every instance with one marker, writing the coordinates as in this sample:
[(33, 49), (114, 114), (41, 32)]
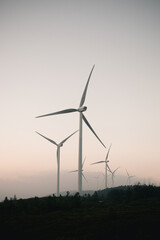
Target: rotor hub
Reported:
[(82, 109), (60, 145)]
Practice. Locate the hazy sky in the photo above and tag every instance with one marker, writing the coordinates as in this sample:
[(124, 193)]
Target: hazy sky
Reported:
[(47, 51)]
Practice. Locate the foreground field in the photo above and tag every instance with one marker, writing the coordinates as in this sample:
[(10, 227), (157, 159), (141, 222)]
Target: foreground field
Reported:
[(118, 213)]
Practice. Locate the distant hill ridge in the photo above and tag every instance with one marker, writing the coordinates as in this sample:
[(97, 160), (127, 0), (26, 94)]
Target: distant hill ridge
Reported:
[(129, 193)]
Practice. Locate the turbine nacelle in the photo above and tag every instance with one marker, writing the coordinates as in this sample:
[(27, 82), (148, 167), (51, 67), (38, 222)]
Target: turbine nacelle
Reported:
[(60, 145), (82, 109)]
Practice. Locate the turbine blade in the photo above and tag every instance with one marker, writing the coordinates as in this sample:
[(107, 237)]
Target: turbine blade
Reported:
[(84, 177), (85, 90), (50, 140), (108, 152), (109, 169), (69, 110), (87, 123), (68, 137), (74, 171), (83, 162), (97, 162), (115, 170), (127, 172)]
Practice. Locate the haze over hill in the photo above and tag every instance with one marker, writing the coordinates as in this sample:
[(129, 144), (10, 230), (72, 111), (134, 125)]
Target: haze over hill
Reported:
[(44, 184)]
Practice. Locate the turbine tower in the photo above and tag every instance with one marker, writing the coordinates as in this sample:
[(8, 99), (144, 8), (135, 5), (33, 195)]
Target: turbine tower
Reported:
[(59, 145), (106, 165), (129, 178), (80, 109)]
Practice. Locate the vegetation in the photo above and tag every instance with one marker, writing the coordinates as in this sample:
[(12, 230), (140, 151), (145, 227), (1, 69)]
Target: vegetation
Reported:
[(126, 212)]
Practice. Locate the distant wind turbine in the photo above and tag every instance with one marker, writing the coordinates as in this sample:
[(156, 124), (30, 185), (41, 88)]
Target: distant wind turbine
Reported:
[(129, 178), (106, 165), (59, 145), (80, 109), (113, 175), (97, 180), (82, 170)]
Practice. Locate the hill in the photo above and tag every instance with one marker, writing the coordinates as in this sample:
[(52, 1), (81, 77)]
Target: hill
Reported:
[(126, 212)]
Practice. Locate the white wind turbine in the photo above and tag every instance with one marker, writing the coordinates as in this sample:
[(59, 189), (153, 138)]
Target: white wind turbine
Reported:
[(59, 145), (113, 175), (82, 170), (129, 178), (106, 165), (80, 109)]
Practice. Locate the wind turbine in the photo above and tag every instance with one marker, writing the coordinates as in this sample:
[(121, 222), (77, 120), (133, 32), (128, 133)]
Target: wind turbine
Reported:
[(106, 165), (80, 109), (59, 145), (82, 170), (113, 175), (97, 180), (128, 178)]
